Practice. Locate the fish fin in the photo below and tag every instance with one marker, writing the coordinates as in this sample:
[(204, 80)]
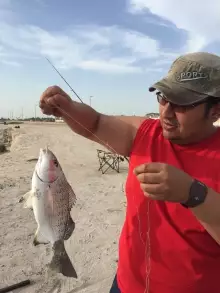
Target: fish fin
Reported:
[(69, 229), (39, 238), (72, 197), (27, 199), (61, 262)]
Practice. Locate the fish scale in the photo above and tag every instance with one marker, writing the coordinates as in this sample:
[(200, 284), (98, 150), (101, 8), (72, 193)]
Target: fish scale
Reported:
[(61, 206)]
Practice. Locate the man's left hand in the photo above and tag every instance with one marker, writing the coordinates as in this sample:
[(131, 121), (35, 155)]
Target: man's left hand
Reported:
[(161, 181)]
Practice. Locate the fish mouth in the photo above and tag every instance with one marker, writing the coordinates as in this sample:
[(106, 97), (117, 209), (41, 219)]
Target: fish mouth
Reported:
[(44, 150)]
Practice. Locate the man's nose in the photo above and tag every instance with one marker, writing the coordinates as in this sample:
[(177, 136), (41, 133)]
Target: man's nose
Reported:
[(168, 110)]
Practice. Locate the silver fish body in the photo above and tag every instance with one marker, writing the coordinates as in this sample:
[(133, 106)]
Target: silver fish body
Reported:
[(51, 198)]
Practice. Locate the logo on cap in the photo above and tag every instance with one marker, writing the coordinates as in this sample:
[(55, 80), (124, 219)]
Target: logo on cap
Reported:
[(191, 75)]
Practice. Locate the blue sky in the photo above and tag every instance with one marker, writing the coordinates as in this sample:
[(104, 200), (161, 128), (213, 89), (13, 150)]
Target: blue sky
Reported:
[(111, 50)]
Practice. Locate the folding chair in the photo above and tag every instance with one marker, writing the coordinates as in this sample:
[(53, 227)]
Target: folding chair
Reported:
[(108, 160)]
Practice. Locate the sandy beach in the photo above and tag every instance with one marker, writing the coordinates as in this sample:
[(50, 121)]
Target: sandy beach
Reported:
[(98, 213)]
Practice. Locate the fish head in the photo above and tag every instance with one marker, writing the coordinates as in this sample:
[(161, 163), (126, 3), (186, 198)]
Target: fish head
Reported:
[(47, 168)]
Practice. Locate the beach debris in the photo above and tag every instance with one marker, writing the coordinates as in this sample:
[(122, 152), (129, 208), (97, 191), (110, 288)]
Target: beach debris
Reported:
[(5, 139), (51, 198), (2, 148), (15, 286), (32, 160)]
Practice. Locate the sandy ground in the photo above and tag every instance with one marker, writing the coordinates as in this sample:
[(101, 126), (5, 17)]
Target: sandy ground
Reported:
[(98, 214)]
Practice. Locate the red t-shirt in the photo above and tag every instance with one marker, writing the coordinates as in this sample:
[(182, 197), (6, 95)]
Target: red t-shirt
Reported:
[(184, 258)]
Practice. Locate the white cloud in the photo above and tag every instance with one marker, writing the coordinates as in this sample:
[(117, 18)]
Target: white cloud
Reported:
[(196, 42), (6, 58), (141, 45), (111, 66), (108, 49), (199, 18), (11, 63)]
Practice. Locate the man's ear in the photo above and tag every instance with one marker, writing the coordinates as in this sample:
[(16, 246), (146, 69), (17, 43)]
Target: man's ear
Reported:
[(215, 112)]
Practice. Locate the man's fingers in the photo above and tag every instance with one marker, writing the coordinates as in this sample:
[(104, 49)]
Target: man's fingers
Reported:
[(148, 168), (152, 189), (51, 91), (50, 111), (54, 100), (50, 104), (149, 178)]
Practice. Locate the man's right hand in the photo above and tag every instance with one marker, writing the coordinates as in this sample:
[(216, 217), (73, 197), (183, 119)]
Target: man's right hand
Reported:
[(54, 101)]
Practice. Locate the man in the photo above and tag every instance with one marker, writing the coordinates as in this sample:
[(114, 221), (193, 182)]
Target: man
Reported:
[(170, 241)]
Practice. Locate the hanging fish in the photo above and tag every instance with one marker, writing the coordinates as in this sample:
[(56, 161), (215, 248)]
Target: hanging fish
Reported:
[(51, 198)]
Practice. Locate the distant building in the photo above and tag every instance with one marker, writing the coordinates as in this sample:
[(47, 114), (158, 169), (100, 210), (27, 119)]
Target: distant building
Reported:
[(59, 120), (152, 115)]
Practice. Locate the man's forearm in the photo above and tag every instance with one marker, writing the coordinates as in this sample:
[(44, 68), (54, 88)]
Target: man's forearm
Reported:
[(208, 213), (82, 119)]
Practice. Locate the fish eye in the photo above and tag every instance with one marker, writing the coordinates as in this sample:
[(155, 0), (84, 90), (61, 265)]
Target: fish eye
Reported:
[(55, 163)]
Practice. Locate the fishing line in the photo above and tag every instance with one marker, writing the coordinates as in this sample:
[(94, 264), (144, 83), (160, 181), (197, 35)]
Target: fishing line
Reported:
[(65, 80), (148, 242)]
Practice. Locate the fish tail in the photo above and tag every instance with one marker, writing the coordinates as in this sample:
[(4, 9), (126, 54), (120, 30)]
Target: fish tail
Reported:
[(61, 262)]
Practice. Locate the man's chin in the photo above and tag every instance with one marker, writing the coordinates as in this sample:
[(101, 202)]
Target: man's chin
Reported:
[(171, 135)]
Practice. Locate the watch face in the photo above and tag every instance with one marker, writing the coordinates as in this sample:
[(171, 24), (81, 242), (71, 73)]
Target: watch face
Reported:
[(197, 195)]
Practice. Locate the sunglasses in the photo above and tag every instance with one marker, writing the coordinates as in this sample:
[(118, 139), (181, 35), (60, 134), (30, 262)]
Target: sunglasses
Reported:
[(162, 100)]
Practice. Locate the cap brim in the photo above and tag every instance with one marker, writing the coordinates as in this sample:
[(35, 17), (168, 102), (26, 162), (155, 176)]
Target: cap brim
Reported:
[(177, 94)]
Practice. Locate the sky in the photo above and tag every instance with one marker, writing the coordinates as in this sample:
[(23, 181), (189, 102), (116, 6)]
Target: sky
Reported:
[(110, 52)]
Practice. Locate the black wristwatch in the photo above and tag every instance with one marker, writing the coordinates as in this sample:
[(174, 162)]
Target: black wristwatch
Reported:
[(197, 194)]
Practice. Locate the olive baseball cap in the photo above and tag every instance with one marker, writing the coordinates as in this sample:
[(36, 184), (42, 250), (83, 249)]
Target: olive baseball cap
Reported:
[(191, 79)]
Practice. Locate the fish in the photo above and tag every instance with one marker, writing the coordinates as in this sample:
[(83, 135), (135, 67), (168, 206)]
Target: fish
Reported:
[(51, 199)]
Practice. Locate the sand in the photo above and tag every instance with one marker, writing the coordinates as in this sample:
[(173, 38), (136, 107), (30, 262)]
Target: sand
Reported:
[(98, 214)]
